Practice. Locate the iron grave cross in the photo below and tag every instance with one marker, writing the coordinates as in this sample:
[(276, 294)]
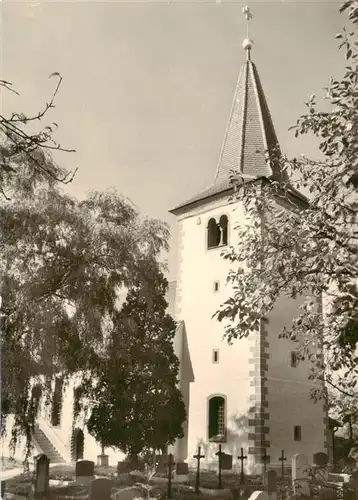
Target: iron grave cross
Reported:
[(282, 460), (220, 454), (198, 456), (170, 465), (265, 459), (242, 457)]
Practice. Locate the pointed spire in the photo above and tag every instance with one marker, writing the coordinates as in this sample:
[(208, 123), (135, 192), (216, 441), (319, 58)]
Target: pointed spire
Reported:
[(250, 132)]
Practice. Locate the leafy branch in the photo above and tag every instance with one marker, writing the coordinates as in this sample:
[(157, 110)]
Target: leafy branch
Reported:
[(20, 146)]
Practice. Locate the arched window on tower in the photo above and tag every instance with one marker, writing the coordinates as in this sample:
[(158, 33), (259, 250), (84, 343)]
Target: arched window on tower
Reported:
[(217, 232), (223, 222), (213, 234), (217, 418)]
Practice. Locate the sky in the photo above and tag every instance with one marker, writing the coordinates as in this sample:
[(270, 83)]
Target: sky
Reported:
[(148, 85)]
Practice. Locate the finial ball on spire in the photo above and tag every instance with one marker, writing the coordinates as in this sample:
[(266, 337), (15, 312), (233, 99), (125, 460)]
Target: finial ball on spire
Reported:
[(247, 44)]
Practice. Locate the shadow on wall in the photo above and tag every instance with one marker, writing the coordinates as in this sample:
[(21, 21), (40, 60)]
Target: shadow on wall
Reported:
[(236, 438)]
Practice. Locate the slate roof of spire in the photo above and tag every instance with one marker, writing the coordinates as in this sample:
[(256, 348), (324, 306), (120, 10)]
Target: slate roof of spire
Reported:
[(250, 134)]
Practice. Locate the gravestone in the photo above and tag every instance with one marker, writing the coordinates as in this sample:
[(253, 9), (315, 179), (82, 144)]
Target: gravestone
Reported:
[(84, 471), (135, 465), (103, 460), (100, 489), (123, 467), (128, 493), (182, 468), (270, 482), (300, 475), (320, 459), (42, 475), (226, 463), (259, 495), (181, 472), (320, 467), (162, 461)]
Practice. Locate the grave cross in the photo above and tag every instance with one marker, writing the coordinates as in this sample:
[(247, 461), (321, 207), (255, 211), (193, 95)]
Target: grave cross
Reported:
[(242, 457), (265, 459), (198, 456), (170, 465), (282, 460), (219, 454)]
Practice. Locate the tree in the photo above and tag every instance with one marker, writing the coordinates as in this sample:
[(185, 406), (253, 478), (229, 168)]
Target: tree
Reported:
[(22, 144), (344, 423), (294, 246), (63, 264), (136, 403)]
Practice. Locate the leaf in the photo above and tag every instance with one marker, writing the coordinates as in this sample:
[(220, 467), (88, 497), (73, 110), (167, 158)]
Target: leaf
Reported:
[(55, 74), (345, 6)]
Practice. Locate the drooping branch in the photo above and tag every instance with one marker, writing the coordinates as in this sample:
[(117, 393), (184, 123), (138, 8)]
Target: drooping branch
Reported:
[(18, 142)]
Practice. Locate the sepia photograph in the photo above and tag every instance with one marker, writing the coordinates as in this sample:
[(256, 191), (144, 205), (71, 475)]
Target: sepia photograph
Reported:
[(179, 249)]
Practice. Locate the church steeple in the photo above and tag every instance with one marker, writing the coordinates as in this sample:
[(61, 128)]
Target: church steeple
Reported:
[(250, 133), (250, 143), (250, 378)]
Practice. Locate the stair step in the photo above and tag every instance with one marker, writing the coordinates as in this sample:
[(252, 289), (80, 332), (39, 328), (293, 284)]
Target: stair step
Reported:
[(47, 447)]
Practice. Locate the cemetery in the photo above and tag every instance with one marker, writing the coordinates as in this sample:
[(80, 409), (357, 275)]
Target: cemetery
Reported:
[(165, 479)]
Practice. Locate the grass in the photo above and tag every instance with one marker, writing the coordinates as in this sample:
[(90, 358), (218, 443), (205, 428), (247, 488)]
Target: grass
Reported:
[(20, 485)]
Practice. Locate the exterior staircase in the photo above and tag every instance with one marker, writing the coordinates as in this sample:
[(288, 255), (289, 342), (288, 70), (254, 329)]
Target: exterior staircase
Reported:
[(45, 446)]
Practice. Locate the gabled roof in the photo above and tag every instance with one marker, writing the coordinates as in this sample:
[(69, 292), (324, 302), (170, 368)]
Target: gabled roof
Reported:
[(250, 134)]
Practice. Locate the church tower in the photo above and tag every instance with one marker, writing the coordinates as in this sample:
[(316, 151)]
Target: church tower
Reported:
[(253, 394)]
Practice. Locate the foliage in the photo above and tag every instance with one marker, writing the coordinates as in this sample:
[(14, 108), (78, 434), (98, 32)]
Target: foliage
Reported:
[(136, 403), (26, 167), (297, 246), (63, 264), (24, 151), (342, 448)]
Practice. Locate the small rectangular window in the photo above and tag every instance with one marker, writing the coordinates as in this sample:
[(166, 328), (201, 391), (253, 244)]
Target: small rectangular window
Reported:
[(216, 286), (216, 356), (293, 359), (297, 433)]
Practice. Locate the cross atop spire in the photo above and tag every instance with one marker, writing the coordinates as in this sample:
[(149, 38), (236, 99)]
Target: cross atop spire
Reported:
[(248, 16), (247, 43)]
